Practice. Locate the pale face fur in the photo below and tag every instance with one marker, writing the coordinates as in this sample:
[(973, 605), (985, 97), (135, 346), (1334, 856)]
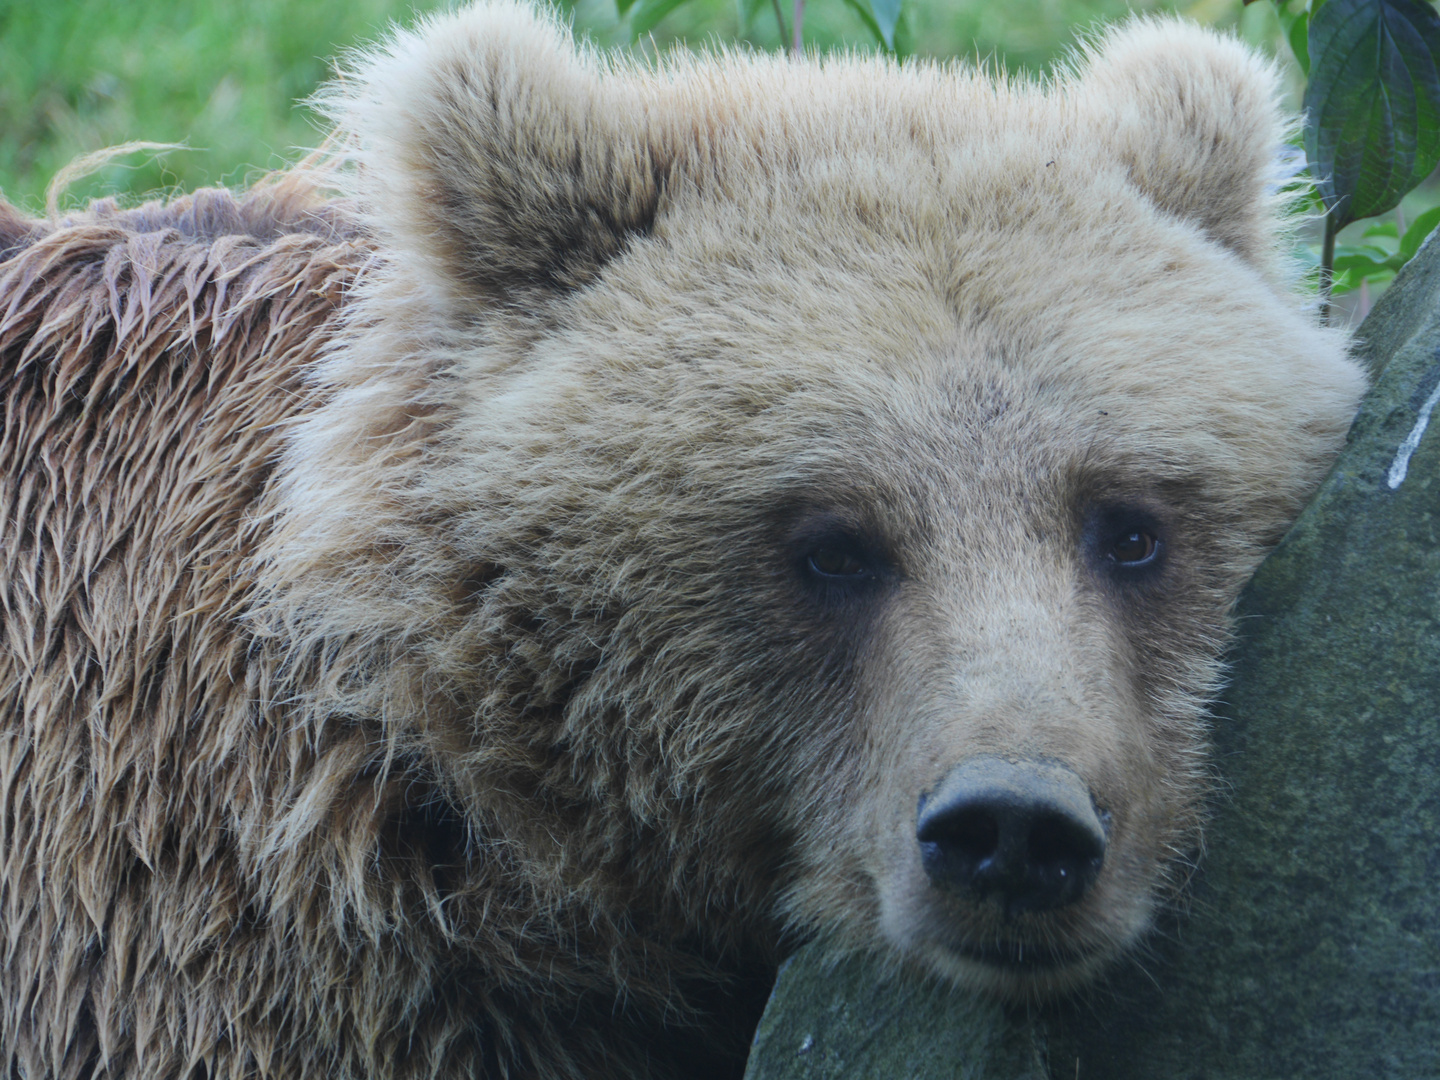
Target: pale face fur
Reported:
[(685, 326), (481, 703)]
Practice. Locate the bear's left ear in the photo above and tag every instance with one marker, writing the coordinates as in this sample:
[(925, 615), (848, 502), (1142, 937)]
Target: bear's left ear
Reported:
[(495, 158), (1196, 119)]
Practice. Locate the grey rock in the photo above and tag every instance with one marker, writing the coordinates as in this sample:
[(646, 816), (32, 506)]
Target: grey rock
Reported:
[(1310, 946), (836, 1015)]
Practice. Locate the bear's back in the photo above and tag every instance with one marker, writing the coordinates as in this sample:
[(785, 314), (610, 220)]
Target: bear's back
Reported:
[(149, 361)]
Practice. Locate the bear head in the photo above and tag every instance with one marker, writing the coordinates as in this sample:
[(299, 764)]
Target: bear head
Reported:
[(794, 494)]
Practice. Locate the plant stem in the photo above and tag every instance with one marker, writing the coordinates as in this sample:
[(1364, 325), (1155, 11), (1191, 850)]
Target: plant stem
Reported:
[(780, 22), (798, 45), (1327, 265)]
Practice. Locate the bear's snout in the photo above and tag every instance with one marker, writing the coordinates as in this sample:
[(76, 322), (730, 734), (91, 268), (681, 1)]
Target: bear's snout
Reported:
[(1025, 834)]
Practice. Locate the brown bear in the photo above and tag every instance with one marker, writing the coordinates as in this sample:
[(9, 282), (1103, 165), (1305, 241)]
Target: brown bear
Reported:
[(469, 608)]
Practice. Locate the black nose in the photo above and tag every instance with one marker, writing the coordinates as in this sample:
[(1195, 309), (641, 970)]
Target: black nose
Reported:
[(1024, 833)]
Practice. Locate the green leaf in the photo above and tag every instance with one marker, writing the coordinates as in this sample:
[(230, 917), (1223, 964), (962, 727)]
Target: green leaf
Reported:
[(1307, 201), (1360, 265), (1370, 251), (1297, 32), (1419, 229), (1350, 280), (650, 12), (1342, 282), (887, 14), (880, 17), (622, 6), (746, 12), (1383, 228), (1373, 102), (863, 9)]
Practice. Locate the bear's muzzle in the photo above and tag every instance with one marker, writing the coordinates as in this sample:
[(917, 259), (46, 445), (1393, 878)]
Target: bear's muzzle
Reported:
[(1025, 834)]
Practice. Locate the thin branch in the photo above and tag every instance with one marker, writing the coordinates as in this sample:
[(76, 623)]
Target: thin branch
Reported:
[(780, 22), (1327, 265)]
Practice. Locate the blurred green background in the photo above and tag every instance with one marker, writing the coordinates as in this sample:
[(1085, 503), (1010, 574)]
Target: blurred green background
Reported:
[(225, 78)]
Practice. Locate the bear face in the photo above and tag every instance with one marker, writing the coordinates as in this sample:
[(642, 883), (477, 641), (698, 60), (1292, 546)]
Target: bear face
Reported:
[(817, 441)]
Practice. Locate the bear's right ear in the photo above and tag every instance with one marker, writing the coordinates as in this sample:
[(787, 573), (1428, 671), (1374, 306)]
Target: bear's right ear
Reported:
[(1195, 118), (494, 156)]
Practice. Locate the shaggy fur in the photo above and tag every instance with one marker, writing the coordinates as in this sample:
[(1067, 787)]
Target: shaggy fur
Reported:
[(413, 663)]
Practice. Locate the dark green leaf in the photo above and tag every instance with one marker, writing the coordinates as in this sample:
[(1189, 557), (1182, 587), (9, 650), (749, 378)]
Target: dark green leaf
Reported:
[(1373, 102), (622, 6), (1419, 229)]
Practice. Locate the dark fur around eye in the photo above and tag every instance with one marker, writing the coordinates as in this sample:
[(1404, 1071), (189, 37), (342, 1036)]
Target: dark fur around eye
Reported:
[(1125, 542), (835, 560)]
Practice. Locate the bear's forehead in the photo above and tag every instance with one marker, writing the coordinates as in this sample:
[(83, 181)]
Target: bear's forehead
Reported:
[(1136, 330), (912, 428)]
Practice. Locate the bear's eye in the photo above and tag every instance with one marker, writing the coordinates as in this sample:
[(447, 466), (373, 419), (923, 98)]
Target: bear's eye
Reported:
[(838, 561), (1125, 542), (833, 561), (1133, 549)]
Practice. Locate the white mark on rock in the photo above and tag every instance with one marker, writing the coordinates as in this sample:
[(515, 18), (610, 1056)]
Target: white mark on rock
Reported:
[(807, 1044), (1401, 464)]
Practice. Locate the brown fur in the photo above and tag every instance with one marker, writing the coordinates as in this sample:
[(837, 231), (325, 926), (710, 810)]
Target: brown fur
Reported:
[(410, 666)]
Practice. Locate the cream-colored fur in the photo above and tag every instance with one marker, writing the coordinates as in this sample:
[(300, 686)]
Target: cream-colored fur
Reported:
[(487, 719)]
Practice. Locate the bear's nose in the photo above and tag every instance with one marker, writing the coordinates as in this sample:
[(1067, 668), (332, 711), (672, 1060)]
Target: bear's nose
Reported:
[(1025, 833)]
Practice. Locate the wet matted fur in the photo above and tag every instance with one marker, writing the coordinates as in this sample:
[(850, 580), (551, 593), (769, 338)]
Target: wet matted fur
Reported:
[(415, 659)]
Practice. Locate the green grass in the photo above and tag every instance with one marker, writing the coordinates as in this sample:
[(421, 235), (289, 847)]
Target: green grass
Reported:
[(224, 79), (79, 75)]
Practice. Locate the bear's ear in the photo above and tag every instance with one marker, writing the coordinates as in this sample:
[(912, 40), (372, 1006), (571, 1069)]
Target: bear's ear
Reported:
[(1195, 117), (494, 157)]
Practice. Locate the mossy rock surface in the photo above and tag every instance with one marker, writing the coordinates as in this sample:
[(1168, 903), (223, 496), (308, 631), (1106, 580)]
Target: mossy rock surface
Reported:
[(834, 1015), (1311, 943)]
